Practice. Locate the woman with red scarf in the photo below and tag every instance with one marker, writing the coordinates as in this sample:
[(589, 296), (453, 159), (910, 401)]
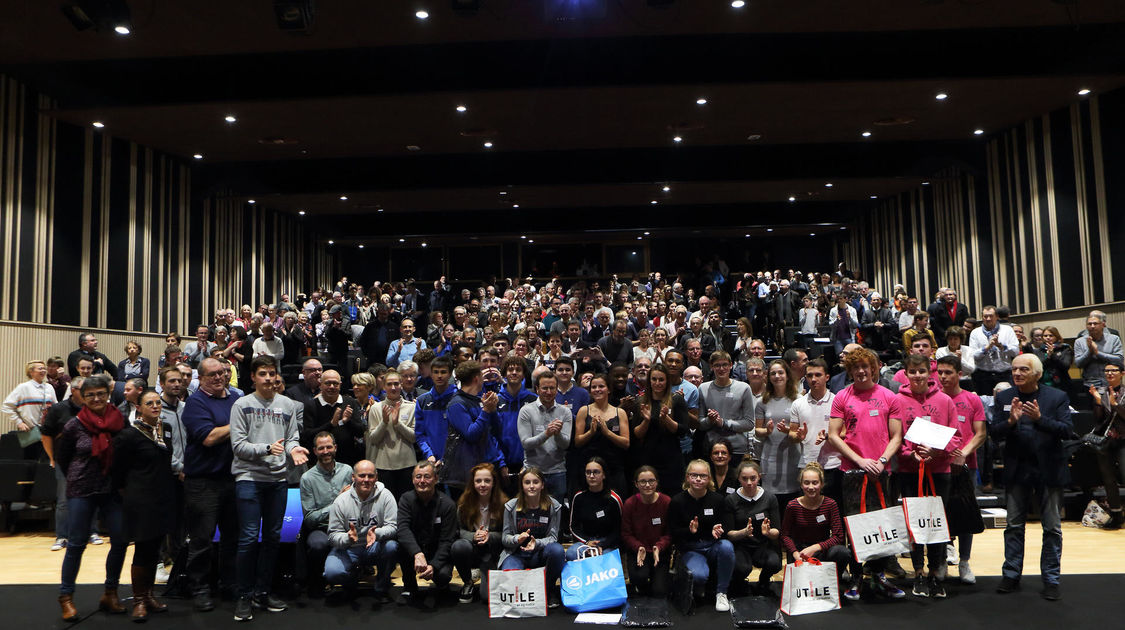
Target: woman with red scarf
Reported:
[(84, 450)]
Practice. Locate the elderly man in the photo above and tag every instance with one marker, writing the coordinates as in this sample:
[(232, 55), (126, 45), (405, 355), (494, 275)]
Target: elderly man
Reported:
[(196, 351), (427, 527), (269, 344), (879, 326), (338, 415), (1096, 350), (88, 349), (1034, 421), (309, 387), (993, 346), (947, 312)]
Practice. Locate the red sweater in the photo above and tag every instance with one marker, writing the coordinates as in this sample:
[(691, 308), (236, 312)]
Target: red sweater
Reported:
[(646, 525), (802, 527)]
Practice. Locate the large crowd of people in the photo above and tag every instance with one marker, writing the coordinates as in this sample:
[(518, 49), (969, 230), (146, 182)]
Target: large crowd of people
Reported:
[(528, 424)]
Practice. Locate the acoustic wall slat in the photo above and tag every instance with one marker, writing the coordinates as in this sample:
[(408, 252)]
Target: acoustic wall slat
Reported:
[(1100, 198)]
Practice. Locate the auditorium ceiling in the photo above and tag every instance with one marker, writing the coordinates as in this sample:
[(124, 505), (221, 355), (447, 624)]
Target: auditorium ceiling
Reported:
[(786, 113)]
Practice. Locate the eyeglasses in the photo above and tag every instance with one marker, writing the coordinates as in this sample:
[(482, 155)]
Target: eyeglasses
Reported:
[(698, 475), (593, 473), (646, 482)]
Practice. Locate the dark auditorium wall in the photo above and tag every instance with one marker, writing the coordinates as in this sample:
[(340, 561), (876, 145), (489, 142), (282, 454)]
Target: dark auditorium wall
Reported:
[(102, 232), (1036, 229)]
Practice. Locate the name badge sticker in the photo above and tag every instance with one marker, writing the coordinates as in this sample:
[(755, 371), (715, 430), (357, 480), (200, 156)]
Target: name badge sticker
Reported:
[(708, 512), (760, 516), (873, 412), (1008, 408), (544, 519), (820, 518), (656, 521), (600, 514), (960, 418), (731, 490)]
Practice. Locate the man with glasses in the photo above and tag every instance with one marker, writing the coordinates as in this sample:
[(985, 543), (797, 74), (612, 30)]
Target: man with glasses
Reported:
[(727, 409), (309, 387), (338, 415), (208, 482), (1096, 351), (1033, 421)]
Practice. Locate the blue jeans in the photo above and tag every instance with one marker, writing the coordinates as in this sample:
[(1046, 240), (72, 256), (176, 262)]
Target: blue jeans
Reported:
[(261, 507), (1019, 498), (341, 564), (556, 485), (80, 520), (61, 508), (550, 556), (701, 555)]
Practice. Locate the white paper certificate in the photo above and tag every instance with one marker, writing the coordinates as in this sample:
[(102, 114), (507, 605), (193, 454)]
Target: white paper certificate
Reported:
[(929, 434)]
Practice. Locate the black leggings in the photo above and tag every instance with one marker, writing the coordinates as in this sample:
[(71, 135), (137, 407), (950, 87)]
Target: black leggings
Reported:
[(649, 580), (468, 556), (146, 553), (746, 557)]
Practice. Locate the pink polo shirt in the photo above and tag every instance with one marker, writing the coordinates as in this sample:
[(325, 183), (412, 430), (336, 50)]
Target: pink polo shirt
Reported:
[(937, 408), (865, 417), (969, 410)]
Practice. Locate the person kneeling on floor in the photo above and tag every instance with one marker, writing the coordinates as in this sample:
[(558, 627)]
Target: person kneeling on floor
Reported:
[(427, 527), (362, 527)]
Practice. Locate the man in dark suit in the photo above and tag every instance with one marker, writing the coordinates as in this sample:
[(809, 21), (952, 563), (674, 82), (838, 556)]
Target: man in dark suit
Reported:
[(378, 334), (945, 313), (1034, 421)]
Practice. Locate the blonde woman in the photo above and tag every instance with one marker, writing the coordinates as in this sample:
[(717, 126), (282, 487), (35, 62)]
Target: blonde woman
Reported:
[(390, 436)]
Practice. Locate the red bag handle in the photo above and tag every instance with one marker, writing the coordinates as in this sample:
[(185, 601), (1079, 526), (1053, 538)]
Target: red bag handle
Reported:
[(813, 561), (922, 472), (863, 494)]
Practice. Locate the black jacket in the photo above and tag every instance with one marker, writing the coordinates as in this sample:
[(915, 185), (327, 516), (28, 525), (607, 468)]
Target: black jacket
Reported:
[(1033, 452), (429, 528), (376, 338)]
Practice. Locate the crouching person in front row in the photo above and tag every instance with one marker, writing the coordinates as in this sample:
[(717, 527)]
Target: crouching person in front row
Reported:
[(427, 527), (531, 532), (362, 528)]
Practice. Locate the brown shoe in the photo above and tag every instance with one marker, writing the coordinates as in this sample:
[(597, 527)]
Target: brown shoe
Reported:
[(140, 613), (143, 580), (69, 612), (110, 603)]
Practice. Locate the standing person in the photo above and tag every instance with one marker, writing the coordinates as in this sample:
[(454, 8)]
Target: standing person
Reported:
[(545, 429), (142, 474), (335, 413), (88, 349), (531, 532), (53, 423), (865, 430), (812, 411), (362, 526), (695, 517), (390, 436), (750, 518), (972, 431), (602, 430), (660, 422), (812, 527), (264, 428), (199, 349), (595, 514), (727, 408), (513, 398), (28, 404), (85, 451), (993, 346), (1109, 410), (781, 438), (470, 413), (916, 400), (1097, 349), (480, 517), (405, 346), (645, 535), (427, 527), (1034, 421), (1057, 356), (320, 485)]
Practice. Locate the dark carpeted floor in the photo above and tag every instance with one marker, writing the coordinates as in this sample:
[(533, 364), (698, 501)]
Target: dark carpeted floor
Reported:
[(1087, 600)]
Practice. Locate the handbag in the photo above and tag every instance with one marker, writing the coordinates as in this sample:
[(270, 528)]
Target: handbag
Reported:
[(880, 533), (810, 586), (925, 515), (517, 593), (593, 582), (756, 612)]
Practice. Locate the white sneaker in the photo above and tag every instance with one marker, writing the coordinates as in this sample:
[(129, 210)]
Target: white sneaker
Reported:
[(59, 544), (950, 554), (162, 574), (722, 604), (96, 540), (476, 575), (965, 573)]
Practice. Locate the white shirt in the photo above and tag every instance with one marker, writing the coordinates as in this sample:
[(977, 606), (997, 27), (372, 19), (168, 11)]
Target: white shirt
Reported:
[(815, 413), (994, 359)]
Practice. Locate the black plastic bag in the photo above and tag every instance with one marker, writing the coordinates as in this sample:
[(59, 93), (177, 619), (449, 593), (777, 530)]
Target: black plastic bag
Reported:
[(756, 612), (646, 612)]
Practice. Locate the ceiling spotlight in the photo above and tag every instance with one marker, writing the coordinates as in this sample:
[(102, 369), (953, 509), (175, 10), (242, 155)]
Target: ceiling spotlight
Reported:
[(488, 145), (462, 109), (747, 235), (874, 196), (331, 242), (121, 29), (379, 210), (198, 156), (423, 244), (515, 205), (402, 240), (978, 132), (677, 139), (343, 197), (738, 4), (422, 15), (413, 147), (769, 229), (251, 201), (792, 199), (639, 238), (828, 185), (700, 101), (653, 202), (646, 233), (925, 183), (531, 241), (754, 137), (1083, 92), (843, 227), (98, 124), (812, 234), (941, 96), (666, 188), (230, 118), (633, 253), (523, 236), (866, 134), (301, 212), (361, 245)]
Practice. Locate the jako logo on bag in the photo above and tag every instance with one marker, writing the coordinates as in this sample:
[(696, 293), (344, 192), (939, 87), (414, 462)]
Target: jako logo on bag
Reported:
[(601, 576), (573, 582)]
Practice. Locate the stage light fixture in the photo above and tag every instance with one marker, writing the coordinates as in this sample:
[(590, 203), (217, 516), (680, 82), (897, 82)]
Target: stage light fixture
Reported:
[(297, 17), (99, 15)]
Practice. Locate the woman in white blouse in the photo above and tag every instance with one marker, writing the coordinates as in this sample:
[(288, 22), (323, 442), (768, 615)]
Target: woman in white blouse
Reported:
[(390, 436)]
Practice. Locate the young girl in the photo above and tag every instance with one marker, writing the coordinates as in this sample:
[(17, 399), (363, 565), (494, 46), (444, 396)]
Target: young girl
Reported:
[(480, 514), (602, 430), (660, 421), (781, 439), (812, 527), (595, 513), (644, 532), (531, 532), (750, 518), (695, 518)]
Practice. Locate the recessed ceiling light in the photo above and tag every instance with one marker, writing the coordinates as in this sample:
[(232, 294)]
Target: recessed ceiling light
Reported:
[(230, 118), (121, 29), (422, 15), (792, 199), (98, 124), (754, 137), (361, 245), (301, 212), (515, 205), (488, 145), (343, 197), (523, 236), (812, 233), (462, 109), (828, 185), (941, 96), (843, 227), (646, 233), (925, 183), (1083, 92), (198, 156), (700, 101), (380, 210), (402, 240), (747, 236), (653, 202), (633, 253), (413, 147), (423, 244), (738, 4), (769, 229), (331, 242), (251, 201), (874, 196), (677, 139), (531, 241), (666, 189), (978, 132), (866, 134), (640, 238)]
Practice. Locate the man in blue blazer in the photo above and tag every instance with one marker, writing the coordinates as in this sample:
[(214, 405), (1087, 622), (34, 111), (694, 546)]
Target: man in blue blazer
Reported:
[(1033, 421)]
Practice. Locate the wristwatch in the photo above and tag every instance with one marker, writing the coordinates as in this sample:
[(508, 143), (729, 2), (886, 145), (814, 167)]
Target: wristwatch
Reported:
[(883, 461)]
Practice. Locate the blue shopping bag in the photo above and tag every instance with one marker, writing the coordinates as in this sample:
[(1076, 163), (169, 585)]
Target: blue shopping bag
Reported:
[(595, 582)]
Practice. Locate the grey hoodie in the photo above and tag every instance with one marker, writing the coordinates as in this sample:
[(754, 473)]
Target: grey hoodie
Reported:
[(379, 510), (255, 424)]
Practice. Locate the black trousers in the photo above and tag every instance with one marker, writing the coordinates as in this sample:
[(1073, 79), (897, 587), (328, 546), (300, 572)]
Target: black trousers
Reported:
[(935, 553), (468, 556), (746, 557), (649, 579), (443, 573), (210, 502)]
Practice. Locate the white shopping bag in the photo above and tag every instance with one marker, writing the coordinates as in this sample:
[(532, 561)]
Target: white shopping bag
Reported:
[(516, 594), (925, 515), (877, 534), (810, 587)]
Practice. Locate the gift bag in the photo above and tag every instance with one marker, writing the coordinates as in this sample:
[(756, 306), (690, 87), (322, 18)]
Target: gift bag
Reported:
[(756, 612), (877, 534), (595, 582), (925, 515), (646, 612), (810, 587), (516, 594)]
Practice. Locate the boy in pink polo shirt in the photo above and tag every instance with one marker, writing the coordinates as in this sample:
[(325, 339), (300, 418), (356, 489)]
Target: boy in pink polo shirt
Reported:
[(864, 427)]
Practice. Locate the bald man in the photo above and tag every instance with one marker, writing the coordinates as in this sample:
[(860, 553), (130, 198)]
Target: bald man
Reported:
[(332, 412)]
